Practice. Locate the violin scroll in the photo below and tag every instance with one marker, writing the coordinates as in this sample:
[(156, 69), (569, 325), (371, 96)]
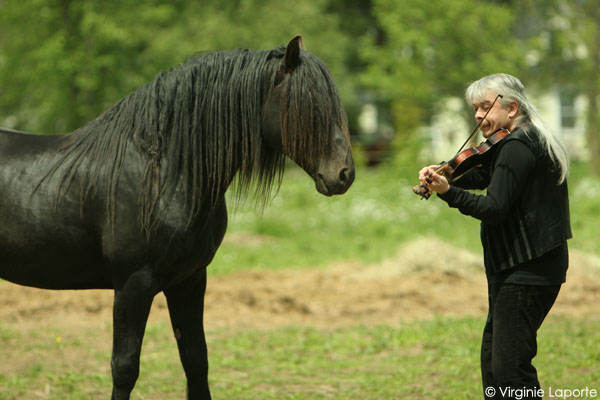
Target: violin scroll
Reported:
[(423, 190)]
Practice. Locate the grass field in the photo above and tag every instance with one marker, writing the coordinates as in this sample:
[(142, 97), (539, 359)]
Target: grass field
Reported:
[(435, 359), (371, 221), (426, 359)]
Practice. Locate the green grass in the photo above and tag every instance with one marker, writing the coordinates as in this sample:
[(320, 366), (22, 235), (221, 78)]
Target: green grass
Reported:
[(435, 359), (370, 222), (584, 193), (379, 362)]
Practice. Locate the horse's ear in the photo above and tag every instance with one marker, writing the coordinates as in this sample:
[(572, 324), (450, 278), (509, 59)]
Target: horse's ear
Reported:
[(290, 60), (292, 52)]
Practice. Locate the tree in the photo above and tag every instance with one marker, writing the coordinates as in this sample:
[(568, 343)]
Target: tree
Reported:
[(432, 49), (63, 62), (73, 59), (564, 41)]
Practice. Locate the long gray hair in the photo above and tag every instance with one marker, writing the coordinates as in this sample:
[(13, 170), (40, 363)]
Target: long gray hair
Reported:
[(512, 89)]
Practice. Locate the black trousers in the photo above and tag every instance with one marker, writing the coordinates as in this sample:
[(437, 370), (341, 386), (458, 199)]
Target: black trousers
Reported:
[(509, 341)]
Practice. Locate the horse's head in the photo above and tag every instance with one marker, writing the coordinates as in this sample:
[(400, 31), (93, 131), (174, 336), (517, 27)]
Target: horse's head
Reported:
[(303, 118)]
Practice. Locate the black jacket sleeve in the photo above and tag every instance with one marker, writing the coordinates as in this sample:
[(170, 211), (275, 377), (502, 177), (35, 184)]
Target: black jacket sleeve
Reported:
[(477, 178), (510, 171)]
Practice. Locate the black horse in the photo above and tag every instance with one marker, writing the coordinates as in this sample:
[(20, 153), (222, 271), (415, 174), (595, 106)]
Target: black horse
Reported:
[(135, 200)]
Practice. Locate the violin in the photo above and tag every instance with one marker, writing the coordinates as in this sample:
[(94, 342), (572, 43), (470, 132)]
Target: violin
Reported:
[(463, 161), (467, 159)]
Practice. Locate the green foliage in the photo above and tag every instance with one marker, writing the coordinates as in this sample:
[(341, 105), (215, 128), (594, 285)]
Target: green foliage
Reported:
[(63, 62), (407, 144), (564, 52), (433, 48), (76, 59), (430, 50)]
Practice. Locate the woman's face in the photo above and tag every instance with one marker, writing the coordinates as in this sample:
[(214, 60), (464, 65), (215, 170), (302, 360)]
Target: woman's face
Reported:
[(498, 116)]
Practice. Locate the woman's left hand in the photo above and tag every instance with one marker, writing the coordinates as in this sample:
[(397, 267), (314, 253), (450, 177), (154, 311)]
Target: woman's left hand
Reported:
[(438, 183)]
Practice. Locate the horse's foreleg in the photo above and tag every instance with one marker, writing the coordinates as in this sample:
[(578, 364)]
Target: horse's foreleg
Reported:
[(186, 307), (130, 313)]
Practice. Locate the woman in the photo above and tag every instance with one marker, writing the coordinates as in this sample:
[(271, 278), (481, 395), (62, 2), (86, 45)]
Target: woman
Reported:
[(524, 229)]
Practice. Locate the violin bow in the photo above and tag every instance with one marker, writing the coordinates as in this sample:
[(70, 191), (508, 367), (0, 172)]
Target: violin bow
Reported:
[(428, 193), (498, 96)]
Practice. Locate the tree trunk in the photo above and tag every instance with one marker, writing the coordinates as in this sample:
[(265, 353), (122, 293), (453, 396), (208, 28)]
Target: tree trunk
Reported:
[(593, 89), (592, 129)]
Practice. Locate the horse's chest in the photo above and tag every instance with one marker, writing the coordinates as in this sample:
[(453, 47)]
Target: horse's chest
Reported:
[(189, 250)]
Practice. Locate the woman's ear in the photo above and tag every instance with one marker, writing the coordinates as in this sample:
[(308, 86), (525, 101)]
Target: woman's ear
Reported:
[(513, 109)]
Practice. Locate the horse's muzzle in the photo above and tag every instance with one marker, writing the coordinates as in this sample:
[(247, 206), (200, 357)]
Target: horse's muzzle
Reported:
[(337, 183)]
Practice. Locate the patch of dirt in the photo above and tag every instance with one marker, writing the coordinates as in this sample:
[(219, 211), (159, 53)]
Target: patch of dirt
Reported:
[(426, 278)]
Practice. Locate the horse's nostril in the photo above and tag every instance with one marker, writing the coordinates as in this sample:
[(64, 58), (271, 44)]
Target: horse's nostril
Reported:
[(344, 175)]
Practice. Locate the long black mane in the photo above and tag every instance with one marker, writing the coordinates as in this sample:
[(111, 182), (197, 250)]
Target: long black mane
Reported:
[(199, 123)]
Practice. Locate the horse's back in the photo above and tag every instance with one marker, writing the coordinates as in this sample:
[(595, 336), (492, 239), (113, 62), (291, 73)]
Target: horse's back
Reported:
[(51, 237), (16, 144), (40, 242)]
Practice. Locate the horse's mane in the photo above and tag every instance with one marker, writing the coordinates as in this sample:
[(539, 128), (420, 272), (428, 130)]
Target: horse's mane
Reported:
[(200, 123)]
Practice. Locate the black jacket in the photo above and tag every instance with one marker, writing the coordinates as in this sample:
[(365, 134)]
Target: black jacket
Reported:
[(525, 212)]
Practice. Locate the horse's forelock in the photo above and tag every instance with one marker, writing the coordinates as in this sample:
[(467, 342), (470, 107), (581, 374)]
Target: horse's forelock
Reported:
[(230, 88), (311, 112)]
